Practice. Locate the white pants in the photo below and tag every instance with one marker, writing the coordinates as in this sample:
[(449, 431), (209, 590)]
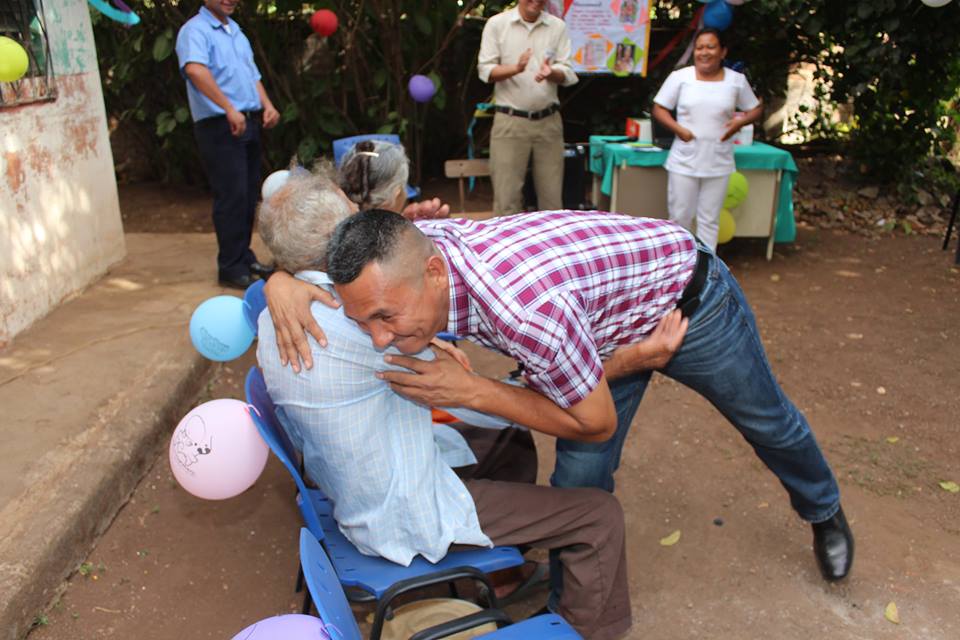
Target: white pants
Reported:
[(699, 200)]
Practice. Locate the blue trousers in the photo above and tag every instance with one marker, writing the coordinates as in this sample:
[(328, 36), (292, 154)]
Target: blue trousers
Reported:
[(233, 168), (722, 359)]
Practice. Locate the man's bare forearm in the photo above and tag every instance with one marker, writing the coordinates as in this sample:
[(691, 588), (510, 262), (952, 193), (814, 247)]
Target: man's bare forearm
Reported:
[(203, 80), (504, 72), (535, 411)]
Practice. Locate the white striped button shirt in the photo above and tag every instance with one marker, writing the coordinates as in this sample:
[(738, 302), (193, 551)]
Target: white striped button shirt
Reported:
[(373, 452)]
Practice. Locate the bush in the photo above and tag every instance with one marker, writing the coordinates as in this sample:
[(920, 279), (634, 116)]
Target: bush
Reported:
[(895, 61)]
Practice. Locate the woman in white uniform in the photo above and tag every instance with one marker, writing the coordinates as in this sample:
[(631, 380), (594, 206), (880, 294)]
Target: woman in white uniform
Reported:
[(705, 97)]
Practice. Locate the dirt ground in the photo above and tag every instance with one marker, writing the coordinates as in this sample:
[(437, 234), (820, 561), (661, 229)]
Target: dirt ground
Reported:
[(864, 335)]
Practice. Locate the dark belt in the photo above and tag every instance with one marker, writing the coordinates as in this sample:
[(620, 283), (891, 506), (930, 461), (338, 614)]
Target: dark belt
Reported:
[(248, 114), (690, 298), (529, 115)]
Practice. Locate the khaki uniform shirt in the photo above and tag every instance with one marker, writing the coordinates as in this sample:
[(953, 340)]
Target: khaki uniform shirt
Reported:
[(505, 37)]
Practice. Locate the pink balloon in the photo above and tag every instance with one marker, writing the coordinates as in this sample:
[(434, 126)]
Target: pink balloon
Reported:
[(216, 451), (289, 627)]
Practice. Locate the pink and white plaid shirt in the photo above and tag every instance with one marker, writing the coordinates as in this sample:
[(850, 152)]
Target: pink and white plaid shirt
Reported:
[(560, 290)]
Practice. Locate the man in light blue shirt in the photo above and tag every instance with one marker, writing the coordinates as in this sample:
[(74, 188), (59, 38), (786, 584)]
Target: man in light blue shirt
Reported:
[(390, 475), (228, 104)]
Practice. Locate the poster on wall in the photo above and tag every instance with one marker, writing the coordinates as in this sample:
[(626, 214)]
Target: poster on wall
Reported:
[(607, 36)]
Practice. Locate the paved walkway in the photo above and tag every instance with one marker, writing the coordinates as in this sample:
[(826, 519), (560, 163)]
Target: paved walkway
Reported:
[(88, 395)]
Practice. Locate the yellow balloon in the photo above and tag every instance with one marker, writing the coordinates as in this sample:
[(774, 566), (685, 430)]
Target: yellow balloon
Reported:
[(737, 190), (13, 60), (728, 226)]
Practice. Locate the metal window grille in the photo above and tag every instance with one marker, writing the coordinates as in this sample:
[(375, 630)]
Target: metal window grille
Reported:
[(23, 21)]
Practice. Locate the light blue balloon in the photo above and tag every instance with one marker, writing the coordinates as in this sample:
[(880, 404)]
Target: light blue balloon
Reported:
[(219, 330), (718, 15)]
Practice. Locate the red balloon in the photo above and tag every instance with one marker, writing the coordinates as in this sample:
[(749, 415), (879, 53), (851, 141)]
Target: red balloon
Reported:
[(323, 22)]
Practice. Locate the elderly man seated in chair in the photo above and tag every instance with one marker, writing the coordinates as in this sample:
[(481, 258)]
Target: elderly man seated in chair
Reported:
[(401, 486)]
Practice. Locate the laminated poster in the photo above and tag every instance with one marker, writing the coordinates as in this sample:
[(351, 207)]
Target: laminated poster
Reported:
[(607, 36)]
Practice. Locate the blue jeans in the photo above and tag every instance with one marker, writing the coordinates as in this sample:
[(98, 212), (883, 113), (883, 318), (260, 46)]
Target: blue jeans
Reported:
[(722, 359)]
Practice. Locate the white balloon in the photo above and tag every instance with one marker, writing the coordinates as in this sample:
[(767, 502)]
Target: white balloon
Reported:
[(935, 3), (273, 182)]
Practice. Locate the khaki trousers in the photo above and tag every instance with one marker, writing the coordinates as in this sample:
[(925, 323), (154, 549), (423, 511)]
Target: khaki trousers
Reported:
[(512, 142)]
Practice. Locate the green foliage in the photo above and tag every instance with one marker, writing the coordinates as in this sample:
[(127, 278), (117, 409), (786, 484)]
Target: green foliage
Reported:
[(892, 65), (325, 88), (894, 62)]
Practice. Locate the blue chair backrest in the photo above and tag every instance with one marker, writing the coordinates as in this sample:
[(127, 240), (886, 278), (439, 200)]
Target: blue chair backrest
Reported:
[(325, 589), (343, 145), (271, 430), (254, 302)]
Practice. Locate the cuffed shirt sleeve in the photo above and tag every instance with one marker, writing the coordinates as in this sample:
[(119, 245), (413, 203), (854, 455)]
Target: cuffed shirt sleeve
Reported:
[(561, 61), (489, 55)]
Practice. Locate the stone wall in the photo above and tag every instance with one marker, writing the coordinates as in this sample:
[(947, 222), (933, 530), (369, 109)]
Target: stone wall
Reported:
[(60, 226)]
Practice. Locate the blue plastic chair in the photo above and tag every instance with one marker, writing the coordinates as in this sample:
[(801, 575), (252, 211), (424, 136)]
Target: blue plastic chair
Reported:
[(334, 610), (254, 302), (380, 578), (342, 145)]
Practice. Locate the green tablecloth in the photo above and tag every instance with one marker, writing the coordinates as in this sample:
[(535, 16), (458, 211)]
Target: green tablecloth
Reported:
[(605, 155)]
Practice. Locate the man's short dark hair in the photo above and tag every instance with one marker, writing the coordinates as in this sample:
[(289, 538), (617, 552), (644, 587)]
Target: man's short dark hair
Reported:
[(369, 236)]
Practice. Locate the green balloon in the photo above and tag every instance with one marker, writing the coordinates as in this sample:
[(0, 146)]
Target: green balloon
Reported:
[(737, 190), (13, 60)]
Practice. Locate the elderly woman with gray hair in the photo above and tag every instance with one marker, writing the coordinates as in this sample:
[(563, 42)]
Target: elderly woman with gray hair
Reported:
[(373, 175)]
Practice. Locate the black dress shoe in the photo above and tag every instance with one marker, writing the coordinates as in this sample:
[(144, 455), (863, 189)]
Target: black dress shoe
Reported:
[(261, 271), (237, 282), (833, 546)]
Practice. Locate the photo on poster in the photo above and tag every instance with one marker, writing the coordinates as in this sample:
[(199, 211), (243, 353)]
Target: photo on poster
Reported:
[(623, 60)]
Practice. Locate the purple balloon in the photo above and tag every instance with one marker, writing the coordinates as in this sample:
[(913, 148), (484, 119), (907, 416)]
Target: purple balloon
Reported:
[(421, 88), (289, 627)]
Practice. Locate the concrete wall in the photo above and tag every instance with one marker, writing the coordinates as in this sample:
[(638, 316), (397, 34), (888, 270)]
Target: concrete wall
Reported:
[(60, 224)]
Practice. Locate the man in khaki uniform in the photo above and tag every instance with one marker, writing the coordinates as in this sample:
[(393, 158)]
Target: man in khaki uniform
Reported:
[(525, 53)]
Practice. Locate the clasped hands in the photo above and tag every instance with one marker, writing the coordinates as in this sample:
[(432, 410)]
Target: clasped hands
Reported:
[(730, 130), (542, 74)]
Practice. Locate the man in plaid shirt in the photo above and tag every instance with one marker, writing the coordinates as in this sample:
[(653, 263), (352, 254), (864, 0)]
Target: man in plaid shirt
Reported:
[(590, 304)]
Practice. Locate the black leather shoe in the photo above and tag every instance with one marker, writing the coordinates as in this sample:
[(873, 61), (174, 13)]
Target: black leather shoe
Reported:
[(833, 546), (237, 282), (261, 271)]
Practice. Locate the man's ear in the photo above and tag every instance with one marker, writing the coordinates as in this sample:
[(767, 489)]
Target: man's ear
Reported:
[(436, 269)]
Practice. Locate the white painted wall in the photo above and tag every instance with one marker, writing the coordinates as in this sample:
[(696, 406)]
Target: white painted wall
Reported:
[(60, 226)]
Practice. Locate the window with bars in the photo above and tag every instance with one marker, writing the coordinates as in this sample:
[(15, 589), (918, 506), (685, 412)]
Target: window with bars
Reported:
[(23, 21)]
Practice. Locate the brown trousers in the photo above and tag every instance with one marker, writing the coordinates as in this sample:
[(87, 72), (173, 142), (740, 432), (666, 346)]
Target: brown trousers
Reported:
[(584, 525)]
